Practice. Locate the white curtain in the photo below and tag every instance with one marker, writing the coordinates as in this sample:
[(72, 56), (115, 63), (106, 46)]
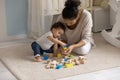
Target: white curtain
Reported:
[(40, 15), (85, 3)]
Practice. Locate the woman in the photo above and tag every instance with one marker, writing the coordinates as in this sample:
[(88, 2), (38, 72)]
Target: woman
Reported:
[(78, 34)]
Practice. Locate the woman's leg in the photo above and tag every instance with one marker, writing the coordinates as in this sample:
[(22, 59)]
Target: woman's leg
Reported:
[(84, 49)]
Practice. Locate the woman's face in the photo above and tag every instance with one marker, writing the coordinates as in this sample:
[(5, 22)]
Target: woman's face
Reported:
[(69, 22)]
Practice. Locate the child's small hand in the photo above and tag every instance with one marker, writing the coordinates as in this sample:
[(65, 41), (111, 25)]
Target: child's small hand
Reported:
[(63, 44)]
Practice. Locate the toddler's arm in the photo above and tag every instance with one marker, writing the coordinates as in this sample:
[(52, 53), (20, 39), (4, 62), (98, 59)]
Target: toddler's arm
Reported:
[(56, 41), (55, 48)]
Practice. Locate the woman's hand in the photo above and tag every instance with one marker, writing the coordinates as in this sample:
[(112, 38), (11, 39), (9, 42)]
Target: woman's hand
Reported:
[(69, 50)]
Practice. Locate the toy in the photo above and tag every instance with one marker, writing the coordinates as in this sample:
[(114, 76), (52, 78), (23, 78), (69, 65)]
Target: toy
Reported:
[(59, 66), (76, 62), (59, 55), (68, 65), (47, 66), (65, 48), (51, 64), (66, 62), (71, 56), (49, 61), (62, 61), (82, 59), (45, 57)]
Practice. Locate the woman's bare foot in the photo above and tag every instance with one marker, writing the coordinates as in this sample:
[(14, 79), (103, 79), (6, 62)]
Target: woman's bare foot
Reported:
[(38, 59)]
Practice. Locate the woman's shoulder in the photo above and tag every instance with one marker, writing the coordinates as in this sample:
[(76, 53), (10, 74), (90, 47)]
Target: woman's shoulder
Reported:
[(86, 13)]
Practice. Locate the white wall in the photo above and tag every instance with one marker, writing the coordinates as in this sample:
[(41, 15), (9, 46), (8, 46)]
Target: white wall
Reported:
[(13, 19), (2, 19), (16, 12)]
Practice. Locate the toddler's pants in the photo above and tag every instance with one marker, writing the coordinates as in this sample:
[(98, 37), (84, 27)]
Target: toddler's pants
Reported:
[(38, 50)]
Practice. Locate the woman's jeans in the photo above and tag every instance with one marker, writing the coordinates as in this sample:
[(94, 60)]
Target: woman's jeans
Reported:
[(38, 50)]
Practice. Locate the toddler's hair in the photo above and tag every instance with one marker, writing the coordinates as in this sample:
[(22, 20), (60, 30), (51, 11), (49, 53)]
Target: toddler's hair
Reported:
[(58, 25)]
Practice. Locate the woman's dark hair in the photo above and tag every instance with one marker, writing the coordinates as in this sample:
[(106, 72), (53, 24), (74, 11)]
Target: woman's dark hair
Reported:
[(58, 25), (71, 9)]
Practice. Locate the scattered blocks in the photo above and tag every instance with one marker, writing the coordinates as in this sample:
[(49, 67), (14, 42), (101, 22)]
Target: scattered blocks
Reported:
[(65, 62)]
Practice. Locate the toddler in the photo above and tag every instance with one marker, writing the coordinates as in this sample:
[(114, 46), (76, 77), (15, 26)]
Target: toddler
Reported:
[(49, 41)]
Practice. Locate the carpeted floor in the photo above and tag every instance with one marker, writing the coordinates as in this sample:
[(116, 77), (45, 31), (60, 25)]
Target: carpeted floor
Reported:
[(19, 60), (108, 74)]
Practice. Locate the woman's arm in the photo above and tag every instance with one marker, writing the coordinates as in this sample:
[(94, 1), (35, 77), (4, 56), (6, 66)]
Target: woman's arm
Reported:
[(79, 44), (86, 34), (71, 47)]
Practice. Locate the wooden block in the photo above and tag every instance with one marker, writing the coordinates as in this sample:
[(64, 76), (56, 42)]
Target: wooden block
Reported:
[(69, 65), (59, 55)]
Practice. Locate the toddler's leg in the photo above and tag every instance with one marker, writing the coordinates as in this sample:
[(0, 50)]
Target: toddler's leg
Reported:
[(37, 51), (49, 50)]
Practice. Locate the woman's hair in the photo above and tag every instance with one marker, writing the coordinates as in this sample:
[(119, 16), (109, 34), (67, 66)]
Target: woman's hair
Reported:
[(71, 9), (58, 25)]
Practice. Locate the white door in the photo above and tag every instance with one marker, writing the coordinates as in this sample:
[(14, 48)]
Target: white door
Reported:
[(2, 20)]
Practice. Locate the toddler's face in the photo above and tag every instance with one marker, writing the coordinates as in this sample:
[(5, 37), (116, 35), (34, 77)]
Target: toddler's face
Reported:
[(57, 32)]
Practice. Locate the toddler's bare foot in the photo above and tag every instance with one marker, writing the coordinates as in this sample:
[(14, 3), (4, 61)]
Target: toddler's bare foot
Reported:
[(38, 59)]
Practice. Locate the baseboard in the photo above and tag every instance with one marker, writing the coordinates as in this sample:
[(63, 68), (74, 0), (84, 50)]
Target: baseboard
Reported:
[(14, 40), (14, 37)]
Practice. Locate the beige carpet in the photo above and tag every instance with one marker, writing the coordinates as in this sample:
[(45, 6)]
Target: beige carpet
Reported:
[(108, 74), (19, 60)]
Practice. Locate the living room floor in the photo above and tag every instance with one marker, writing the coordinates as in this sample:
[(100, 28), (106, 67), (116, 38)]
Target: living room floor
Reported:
[(3, 69), (112, 59), (5, 73)]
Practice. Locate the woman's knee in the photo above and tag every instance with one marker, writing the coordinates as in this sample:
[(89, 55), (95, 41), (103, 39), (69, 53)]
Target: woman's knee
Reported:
[(83, 50)]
